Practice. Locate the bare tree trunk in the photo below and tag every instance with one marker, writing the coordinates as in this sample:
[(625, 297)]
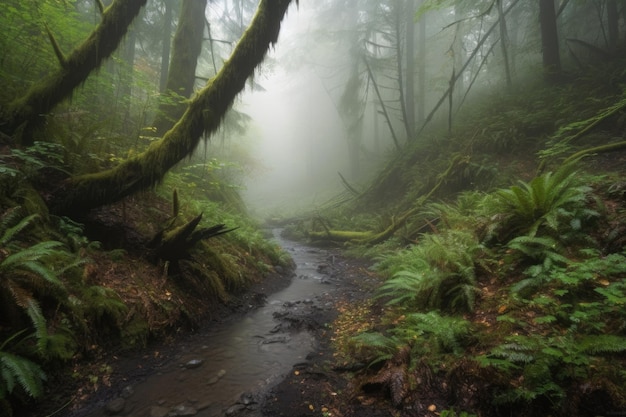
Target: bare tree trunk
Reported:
[(203, 115), (25, 114), (421, 73), (167, 44), (181, 76), (504, 45), (410, 69), (549, 40), (613, 23)]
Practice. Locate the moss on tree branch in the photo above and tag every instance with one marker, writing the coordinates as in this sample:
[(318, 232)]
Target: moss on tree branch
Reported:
[(25, 113), (203, 115)]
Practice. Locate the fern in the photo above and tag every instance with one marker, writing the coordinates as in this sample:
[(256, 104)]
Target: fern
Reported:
[(551, 203), (16, 370), (604, 343), (437, 333), (376, 346)]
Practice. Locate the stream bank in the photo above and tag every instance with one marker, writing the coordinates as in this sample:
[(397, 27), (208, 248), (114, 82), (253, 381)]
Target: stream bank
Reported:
[(269, 359)]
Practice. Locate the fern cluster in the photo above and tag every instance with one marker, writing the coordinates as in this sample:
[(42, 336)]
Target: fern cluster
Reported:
[(439, 274), (555, 332), (552, 204)]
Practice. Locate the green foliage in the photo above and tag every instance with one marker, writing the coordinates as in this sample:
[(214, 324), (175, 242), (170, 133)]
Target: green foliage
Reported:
[(438, 273), (551, 203), (16, 370), (429, 335)]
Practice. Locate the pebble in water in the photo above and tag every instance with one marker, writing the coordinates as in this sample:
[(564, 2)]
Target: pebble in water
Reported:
[(194, 363)]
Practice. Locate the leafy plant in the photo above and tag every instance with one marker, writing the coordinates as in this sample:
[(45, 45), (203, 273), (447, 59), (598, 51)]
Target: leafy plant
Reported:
[(427, 334), (551, 203), (16, 370), (26, 271), (441, 274)]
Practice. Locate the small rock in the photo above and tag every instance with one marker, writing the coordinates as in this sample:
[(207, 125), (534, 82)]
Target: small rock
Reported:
[(115, 406), (308, 301), (217, 377), (184, 411), (128, 391), (247, 399), (194, 363)]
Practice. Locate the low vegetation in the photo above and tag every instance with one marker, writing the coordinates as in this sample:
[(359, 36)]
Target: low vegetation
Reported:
[(497, 299)]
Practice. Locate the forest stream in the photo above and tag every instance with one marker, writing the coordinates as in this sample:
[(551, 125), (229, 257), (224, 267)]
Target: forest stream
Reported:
[(226, 370)]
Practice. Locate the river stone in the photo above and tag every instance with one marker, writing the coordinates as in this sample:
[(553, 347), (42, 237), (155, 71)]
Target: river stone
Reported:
[(247, 399), (128, 391), (194, 363), (184, 411), (115, 406), (157, 411)]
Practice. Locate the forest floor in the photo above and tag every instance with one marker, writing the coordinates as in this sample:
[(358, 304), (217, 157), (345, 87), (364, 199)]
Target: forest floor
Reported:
[(315, 387), (319, 386)]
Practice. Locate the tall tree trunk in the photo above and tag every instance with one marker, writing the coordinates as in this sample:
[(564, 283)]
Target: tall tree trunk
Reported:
[(613, 23), (127, 73), (25, 114), (504, 44), (410, 68), (549, 40), (167, 43), (421, 71), (203, 115), (181, 76), (399, 32)]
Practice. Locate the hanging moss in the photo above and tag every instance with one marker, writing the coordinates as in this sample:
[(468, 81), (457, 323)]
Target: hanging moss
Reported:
[(25, 114), (203, 115)]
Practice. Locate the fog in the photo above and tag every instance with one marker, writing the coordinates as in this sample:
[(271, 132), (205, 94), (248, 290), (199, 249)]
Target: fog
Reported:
[(299, 138), (296, 131)]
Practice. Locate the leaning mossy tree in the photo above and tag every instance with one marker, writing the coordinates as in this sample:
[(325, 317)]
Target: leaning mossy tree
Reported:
[(27, 113), (202, 116)]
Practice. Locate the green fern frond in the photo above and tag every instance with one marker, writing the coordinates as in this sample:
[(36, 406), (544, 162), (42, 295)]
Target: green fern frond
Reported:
[(604, 343), (10, 232), (15, 370), (39, 323), (445, 333)]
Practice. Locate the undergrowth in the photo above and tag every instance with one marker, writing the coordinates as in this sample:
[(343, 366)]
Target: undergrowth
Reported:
[(514, 285)]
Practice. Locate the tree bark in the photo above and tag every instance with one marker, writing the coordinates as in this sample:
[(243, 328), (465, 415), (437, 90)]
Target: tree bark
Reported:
[(410, 68), (504, 45), (203, 115), (25, 114), (166, 46), (181, 77), (612, 15), (549, 40)]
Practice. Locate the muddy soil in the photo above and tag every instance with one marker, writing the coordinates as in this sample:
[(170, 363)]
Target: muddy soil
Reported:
[(314, 386)]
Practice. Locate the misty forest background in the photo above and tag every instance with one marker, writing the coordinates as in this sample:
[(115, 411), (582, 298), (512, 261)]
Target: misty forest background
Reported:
[(473, 150)]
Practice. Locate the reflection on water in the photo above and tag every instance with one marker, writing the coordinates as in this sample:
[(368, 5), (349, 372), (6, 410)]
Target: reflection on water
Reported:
[(214, 369)]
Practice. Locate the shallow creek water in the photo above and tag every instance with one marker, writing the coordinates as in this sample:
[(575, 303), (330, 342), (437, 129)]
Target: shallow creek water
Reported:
[(213, 371)]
